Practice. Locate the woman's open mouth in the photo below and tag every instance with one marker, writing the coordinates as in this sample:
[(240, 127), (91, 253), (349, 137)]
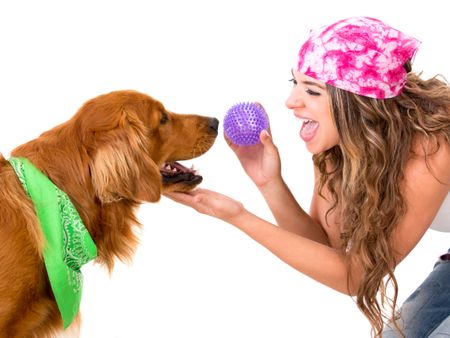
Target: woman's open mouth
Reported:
[(308, 130)]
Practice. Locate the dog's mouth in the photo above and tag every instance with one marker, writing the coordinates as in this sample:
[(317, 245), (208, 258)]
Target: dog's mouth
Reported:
[(175, 172)]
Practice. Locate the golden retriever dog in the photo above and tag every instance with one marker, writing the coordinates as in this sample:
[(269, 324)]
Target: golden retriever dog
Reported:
[(119, 150)]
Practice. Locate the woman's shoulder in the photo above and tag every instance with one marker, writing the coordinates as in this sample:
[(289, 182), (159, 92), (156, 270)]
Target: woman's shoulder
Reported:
[(442, 220), (433, 160), (427, 177), (424, 188), (430, 157)]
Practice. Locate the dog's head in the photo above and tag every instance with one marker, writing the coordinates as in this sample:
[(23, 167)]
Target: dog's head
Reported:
[(134, 144)]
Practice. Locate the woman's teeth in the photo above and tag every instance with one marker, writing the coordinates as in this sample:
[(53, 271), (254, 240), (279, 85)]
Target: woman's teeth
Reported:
[(306, 121)]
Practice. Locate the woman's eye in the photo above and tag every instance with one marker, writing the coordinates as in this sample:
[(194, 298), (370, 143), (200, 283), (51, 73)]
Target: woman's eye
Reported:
[(312, 92), (294, 81)]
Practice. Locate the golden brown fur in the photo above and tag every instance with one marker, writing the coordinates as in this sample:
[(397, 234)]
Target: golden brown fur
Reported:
[(107, 158)]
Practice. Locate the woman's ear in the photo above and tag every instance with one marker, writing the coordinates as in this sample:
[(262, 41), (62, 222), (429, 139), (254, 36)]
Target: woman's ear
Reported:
[(121, 167)]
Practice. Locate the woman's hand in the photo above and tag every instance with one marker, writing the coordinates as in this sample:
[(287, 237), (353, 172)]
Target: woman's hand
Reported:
[(209, 203), (261, 161)]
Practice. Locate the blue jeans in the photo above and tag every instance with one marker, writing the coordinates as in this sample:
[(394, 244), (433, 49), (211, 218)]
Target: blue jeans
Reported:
[(426, 313)]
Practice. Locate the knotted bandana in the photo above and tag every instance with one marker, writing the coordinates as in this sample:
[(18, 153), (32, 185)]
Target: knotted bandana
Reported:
[(361, 55), (68, 244)]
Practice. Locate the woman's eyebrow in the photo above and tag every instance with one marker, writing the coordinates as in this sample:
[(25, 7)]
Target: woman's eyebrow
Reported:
[(311, 83)]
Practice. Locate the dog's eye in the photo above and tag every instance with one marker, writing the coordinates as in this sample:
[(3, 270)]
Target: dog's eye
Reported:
[(164, 119)]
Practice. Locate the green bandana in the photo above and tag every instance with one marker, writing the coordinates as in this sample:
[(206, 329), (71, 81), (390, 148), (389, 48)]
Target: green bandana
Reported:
[(68, 244)]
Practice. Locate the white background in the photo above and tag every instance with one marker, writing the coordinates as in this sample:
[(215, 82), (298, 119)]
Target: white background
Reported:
[(194, 276)]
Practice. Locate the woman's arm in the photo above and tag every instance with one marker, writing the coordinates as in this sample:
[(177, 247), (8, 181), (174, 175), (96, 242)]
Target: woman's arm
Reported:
[(425, 186), (423, 190), (288, 213), (318, 261), (262, 164)]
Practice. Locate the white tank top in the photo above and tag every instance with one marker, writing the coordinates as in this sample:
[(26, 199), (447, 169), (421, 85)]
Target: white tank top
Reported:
[(442, 220)]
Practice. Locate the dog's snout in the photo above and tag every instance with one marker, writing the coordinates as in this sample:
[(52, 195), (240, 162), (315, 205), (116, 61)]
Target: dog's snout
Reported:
[(213, 124)]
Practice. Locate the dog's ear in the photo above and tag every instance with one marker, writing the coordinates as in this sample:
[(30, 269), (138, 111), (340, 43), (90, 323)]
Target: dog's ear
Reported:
[(121, 167)]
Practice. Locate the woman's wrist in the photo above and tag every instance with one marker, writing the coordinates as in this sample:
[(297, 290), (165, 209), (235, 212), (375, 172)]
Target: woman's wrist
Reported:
[(272, 186), (240, 219), (228, 210)]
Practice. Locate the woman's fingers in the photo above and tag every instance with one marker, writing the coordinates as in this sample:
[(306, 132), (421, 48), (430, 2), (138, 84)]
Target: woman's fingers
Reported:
[(200, 200), (266, 140), (181, 197), (230, 144), (208, 202), (195, 198)]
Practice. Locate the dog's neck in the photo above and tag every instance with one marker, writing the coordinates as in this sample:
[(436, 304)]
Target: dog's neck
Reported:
[(66, 164)]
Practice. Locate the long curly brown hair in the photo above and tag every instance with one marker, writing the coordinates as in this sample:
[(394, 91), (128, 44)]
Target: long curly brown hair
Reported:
[(376, 138)]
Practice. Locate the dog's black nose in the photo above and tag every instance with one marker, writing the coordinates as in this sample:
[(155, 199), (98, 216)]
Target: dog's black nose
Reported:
[(213, 124)]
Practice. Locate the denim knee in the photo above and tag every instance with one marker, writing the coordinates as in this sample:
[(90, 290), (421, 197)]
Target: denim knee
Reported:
[(428, 306), (443, 330)]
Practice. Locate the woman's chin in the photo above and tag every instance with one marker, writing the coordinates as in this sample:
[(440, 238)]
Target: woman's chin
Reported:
[(316, 148)]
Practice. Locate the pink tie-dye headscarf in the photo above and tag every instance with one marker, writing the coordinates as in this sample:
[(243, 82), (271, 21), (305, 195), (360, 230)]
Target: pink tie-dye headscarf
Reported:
[(361, 55)]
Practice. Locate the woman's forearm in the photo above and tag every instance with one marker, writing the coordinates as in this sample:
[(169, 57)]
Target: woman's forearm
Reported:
[(288, 213), (318, 261)]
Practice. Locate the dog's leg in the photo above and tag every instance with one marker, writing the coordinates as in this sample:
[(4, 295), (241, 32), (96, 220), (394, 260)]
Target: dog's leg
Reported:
[(41, 319)]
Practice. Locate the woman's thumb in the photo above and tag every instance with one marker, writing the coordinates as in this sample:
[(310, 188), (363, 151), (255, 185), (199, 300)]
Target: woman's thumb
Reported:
[(266, 140)]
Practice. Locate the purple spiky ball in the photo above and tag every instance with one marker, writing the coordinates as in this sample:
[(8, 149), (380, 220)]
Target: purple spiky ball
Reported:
[(244, 122)]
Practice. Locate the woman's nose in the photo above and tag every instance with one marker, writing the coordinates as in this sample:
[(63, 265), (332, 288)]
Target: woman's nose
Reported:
[(294, 101)]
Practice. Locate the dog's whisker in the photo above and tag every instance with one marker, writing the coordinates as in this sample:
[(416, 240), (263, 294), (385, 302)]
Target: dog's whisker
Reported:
[(203, 145)]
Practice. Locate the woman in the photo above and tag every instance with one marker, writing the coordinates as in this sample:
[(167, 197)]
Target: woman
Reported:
[(380, 139)]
